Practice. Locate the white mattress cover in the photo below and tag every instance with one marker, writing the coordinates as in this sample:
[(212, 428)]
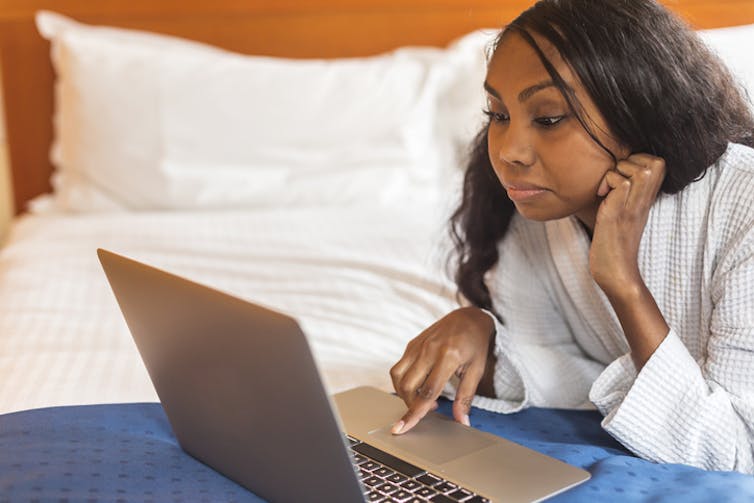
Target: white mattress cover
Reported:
[(362, 282)]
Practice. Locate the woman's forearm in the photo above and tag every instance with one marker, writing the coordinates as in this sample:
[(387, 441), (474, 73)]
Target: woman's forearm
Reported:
[(643, 324)]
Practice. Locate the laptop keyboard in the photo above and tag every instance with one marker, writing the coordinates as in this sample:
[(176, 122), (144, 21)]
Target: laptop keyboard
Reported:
[(388, 479)]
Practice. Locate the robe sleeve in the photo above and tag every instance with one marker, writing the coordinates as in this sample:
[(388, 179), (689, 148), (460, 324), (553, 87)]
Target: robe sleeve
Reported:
[(680, 410)]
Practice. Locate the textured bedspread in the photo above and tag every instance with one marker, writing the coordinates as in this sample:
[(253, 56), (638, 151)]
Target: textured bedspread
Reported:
[(127, 452)]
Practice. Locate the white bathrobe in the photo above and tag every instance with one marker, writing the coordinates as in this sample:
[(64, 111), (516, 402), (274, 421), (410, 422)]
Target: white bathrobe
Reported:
[(561, 344)]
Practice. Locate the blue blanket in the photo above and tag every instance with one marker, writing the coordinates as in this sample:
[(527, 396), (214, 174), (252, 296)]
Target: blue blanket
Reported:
[(127, 452)]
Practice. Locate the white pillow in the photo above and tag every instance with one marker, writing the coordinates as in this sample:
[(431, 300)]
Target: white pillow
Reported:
[(463, 98), (146, 121), (734, 45)]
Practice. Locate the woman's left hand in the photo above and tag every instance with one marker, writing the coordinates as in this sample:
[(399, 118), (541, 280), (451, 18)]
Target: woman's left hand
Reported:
[(629, 192)]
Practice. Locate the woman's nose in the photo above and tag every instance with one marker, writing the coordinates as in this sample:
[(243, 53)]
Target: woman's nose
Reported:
[(514, 147)]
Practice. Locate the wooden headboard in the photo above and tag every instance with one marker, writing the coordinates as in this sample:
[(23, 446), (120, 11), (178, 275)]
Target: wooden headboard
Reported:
[(292, 28)]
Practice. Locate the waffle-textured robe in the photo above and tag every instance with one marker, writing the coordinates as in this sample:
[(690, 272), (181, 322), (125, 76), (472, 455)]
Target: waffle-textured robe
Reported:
[(561, 344)]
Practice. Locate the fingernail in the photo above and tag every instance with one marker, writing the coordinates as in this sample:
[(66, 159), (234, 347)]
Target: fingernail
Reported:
[(465, 420), (397, 427)]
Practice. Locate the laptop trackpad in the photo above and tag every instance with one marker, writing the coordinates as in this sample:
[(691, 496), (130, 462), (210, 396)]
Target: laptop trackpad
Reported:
[(436, 438)]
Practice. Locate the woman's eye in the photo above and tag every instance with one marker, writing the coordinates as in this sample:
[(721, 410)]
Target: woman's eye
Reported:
[(496, 116), (549, 121)]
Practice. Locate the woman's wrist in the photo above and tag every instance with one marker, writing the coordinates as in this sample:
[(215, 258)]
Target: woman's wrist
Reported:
[(622, 287), (625, 292), (643, 324)]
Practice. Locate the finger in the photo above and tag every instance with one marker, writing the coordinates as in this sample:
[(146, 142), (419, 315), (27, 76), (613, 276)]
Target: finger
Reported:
[(642, 159), (407, 361), (628, 167), (646, 173), (429, 372), (398, 371), (415, 414), (624, 168), (411, 384), (427, 395), (643, 168), (465, 393), (604, 188), (620, 186)]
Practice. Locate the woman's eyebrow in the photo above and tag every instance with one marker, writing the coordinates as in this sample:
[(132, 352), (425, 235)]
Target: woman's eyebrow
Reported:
[(532, 90), (523, 95), (491, 90)]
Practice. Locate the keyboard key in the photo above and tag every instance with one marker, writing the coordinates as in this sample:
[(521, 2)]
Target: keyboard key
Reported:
[(411, 485), (383, 472), (386, 488), (396, 478), (477, 499), (352, 441), (375, 496), (358, 459), (441, 498), (373, 481), (401, 495), (369, 465), (364, 474), (388, 460), (460, 494), (429, 480), (445, 487), (425, 492), (416, 499)]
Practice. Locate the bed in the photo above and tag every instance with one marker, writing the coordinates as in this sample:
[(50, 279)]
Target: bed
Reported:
[(302, 155)]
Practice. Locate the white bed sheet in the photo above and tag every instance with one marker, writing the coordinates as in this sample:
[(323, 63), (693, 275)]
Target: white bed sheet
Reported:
[(362, 282)]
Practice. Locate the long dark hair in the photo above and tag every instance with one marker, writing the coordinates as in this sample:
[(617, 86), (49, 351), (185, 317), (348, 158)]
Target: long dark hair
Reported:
[(659, 88)]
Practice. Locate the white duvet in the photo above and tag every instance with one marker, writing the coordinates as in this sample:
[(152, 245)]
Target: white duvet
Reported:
[(362, 282)]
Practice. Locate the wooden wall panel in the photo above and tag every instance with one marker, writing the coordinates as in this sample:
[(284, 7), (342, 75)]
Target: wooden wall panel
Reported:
[(291, 28)]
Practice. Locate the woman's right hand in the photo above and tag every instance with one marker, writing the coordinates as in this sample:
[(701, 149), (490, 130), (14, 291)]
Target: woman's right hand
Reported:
[(457, 344)]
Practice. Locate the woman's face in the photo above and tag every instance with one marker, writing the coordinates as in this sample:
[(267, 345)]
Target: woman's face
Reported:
[(549, 165)]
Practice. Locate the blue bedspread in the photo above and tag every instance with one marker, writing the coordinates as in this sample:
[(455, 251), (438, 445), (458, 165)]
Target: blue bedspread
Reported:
[(127, 452)]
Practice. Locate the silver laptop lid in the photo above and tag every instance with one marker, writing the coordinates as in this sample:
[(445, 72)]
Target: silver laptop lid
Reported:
[(238, 384)]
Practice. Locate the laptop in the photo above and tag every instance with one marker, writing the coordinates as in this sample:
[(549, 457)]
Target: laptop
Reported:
[(243, 394)]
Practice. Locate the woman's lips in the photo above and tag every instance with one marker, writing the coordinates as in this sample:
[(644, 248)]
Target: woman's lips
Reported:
[(519, 193)]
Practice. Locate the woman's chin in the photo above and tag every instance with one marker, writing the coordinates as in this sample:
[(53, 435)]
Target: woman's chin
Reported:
[(536, 214)]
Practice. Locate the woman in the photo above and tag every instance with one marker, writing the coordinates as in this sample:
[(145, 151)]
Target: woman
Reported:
[(605, 238)]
